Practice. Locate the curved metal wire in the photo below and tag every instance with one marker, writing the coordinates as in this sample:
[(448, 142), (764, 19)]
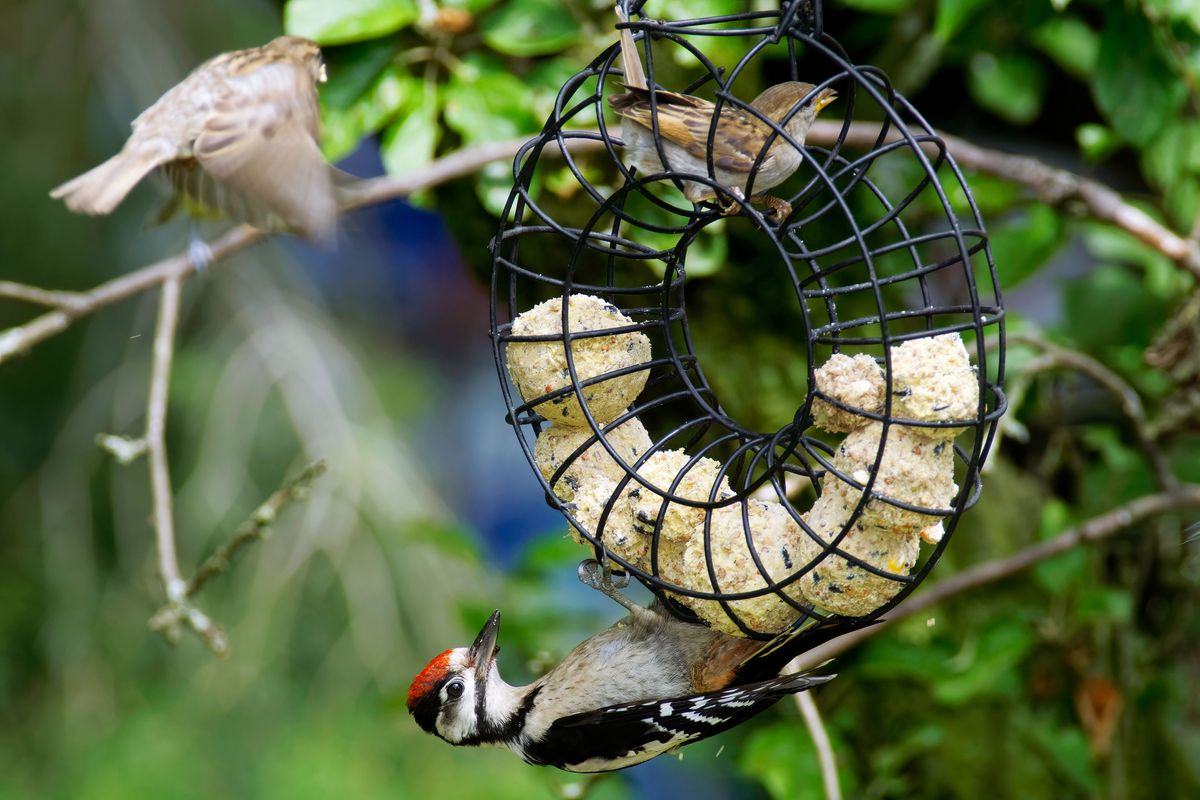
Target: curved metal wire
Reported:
[(882, 246)]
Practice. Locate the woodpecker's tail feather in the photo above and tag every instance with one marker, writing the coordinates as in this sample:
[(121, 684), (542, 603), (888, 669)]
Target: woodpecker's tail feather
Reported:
[(778, 652), (102, 188)]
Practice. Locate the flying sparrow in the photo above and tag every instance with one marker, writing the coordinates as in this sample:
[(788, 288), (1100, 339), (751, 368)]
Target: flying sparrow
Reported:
[(239, 135), (684, 123)]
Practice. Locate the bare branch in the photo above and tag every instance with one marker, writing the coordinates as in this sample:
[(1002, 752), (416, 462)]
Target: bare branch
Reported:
[(1058, 357), (40, 297), (1093, 530), (820, 738), (367, 192), (21, 338), (178, 611), (256, 527), (156, 449), (1054, 186)]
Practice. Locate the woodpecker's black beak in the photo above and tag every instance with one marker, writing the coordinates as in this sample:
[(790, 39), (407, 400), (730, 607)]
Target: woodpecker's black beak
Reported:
[(483, 651)]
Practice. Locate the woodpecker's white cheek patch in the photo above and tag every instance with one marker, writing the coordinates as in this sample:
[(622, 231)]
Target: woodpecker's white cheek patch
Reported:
[(457, 720)]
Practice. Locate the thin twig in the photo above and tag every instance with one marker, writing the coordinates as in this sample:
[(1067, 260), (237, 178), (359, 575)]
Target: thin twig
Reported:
[(156, 449), (1093, 530), (820, 738), (1056, 186), (367, 192), (1059, 357), (256, 527), (21, 338), (160, 483), (40, 297), (179, 611)]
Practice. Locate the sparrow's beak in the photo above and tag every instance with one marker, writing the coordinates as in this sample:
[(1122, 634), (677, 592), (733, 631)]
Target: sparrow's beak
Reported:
[(483, 651), (824, 98), (324, 74)]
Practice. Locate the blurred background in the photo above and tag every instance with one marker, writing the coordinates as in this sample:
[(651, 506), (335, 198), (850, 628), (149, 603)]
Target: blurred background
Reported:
[(1073, 679)]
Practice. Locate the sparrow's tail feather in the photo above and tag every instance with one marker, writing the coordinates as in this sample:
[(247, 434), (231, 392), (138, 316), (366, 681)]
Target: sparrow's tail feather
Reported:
[(102, 188), (635, 76)]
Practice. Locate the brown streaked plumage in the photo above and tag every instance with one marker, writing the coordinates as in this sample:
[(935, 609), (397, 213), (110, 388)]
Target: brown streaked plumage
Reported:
[(240, 134), (684, 123)]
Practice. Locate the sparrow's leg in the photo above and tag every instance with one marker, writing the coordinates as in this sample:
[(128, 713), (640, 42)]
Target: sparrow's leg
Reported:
[(731, 205), (778, 209), (600, 577)]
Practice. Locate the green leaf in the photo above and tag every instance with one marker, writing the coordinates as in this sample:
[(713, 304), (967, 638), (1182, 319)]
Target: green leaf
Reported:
[(1134, 83), (347, 20), (375, 108), (409, 144), (1174, 154), (952, 15), (1105, 604), (353, 68), (782, 758), (486, 102), (1070, 43), (1096, 141), (988, 666), (1069, 752), (1162, 278), (1116, 456), (473, 6), (1010, 85), (891, 657), (1060, 573), (1186, 11), (1023, 243), (530, 28), (494, 183), (878, 6)]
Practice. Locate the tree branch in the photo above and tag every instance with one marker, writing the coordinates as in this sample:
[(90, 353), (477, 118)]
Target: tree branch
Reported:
[(178, 611), (1054, 186), (160, 482), (73, 305), (1093, 530), (40, 297), (256, 527), (820, 738), (156, 449), (1058, 357)]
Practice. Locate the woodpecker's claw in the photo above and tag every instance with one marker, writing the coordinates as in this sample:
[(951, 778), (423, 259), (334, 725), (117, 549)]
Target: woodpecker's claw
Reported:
[(600, 577)]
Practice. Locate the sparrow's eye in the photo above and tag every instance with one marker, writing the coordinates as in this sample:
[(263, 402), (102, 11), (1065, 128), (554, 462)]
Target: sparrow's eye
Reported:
[(454, 689)]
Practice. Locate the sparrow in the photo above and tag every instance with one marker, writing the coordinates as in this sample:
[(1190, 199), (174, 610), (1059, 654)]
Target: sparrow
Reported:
[(684, 123), (239, 135)]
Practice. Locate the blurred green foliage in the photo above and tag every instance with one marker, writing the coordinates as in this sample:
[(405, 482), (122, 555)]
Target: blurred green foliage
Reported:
[(981, 697)]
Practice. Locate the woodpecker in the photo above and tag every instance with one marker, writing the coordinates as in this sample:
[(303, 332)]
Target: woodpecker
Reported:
[(646, 686)]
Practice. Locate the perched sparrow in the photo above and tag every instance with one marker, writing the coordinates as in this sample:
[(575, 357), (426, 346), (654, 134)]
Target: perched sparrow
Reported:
[(684, 123), (239, 135), (646, 686)]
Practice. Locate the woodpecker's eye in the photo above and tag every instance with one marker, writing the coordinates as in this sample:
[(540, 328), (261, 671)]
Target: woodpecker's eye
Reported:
[(454, 689)]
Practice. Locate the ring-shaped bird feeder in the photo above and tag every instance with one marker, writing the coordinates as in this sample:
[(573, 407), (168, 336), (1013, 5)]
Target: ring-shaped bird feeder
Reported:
[(834, 517)]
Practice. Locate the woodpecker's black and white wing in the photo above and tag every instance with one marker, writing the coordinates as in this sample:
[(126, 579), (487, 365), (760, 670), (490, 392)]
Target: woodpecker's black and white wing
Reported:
[(620, 736)]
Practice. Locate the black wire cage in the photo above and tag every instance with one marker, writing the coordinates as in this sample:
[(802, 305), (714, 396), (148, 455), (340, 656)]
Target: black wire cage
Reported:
[(882, 247)]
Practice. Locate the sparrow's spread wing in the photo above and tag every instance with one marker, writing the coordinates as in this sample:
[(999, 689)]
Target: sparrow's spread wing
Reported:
[(685, 121), (261, 144)]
